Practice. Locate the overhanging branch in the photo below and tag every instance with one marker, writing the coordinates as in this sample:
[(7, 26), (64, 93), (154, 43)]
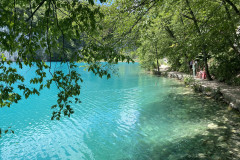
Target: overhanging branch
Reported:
[(187, 17), (40, 4)]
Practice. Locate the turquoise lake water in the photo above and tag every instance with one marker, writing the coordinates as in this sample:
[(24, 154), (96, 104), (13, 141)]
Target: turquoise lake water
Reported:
[(132, 116)]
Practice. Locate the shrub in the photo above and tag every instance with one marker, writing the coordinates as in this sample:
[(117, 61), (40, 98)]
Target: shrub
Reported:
[(225, 68), (189, 80)]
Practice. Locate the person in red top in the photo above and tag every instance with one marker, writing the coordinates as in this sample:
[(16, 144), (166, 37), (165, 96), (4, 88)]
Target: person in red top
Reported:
[(204, 75)]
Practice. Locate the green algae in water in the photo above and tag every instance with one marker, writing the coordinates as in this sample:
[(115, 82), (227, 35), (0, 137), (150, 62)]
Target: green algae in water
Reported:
[(131, 116)]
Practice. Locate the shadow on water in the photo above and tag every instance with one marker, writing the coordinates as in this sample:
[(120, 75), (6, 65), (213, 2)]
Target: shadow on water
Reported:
[(190, 127)]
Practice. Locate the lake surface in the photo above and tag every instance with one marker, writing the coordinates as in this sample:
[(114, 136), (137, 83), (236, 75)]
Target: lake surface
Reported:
[(132, 116)]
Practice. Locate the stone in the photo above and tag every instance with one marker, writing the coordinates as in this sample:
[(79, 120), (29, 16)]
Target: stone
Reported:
[(212, 126), (230, 94)]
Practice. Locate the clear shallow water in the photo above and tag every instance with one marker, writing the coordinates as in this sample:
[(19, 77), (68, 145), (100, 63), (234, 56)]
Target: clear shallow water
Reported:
[(131, 116)]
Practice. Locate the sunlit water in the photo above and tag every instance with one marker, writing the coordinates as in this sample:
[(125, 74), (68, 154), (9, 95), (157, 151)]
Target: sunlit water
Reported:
[(132, 116)]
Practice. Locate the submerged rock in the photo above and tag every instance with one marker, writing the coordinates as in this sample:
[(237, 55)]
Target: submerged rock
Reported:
[(212, 126)]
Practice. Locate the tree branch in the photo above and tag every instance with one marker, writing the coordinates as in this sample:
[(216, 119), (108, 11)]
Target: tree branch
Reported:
[(137, 21), (78, 23), (233, 6), (40, 4), (48, 43), (187, 17), (30, 29), (193, 17), (170, 32)]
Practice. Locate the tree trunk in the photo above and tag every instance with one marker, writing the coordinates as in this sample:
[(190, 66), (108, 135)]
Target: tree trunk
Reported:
[(233, 30), (157, 60), (206, 63), (233, 6), (185, 55), (203, 45), (170, 32)]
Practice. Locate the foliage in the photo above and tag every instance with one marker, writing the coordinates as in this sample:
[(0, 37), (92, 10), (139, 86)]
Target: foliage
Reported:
[(188, 80), (40, 30), (197, 87), (9, 130), (225, 67), (73, 30), (184, 30)]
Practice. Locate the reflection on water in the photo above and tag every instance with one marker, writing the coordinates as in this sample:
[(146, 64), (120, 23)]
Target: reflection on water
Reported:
[(133, 116)]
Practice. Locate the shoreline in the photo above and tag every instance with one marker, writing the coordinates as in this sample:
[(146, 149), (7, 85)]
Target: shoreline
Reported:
[(217, 90)]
